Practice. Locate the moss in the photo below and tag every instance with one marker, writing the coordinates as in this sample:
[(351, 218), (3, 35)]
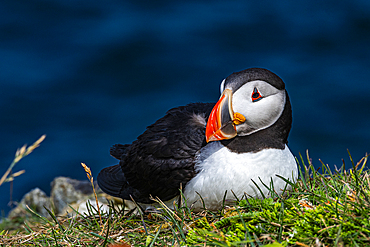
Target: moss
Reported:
[(297, 223)]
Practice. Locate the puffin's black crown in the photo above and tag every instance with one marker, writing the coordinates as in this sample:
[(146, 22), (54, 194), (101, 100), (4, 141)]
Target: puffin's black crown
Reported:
[(238, 79)]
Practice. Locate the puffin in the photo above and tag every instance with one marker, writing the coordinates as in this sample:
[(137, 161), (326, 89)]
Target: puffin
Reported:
[(212, 152)]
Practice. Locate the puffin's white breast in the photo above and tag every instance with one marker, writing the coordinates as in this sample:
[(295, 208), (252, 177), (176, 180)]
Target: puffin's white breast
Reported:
[(219, 170)]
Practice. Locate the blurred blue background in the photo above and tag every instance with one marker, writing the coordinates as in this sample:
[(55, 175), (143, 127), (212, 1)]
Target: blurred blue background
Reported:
[(90, 74)]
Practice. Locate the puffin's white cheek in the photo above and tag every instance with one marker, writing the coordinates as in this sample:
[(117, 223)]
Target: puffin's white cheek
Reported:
[(266, 111), (261, 114)]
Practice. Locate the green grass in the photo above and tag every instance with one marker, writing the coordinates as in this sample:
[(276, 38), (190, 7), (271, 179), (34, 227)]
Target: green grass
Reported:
[(323, 208)]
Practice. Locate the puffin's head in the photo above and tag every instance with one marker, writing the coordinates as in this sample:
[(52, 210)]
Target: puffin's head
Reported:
[(251, 100)]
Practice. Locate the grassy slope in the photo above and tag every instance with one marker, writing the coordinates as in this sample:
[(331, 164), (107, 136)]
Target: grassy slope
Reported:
[(326, 208)]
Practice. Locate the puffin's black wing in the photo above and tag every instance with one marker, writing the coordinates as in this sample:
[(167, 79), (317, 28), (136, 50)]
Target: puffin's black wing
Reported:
[(111, 179), (162, 157)]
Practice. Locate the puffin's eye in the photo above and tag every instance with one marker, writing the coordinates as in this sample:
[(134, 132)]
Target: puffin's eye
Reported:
[(256, 96)]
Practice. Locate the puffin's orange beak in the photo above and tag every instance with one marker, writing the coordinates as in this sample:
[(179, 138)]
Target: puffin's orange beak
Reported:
[(222, 120)]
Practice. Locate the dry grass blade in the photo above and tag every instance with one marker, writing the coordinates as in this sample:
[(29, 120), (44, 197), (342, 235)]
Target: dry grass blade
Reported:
[(21, 153), (91, 178), (16, 174)]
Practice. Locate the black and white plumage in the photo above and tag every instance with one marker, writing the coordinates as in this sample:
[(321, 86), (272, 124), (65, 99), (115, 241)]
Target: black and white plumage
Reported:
[(245, 139)]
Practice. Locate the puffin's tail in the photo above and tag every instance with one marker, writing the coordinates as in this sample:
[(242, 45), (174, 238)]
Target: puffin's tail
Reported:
[(112, 180), (119, 151)]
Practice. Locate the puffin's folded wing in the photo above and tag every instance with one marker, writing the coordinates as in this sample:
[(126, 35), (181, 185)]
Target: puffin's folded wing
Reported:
[(162, 158), (179, 134), (112, 180)]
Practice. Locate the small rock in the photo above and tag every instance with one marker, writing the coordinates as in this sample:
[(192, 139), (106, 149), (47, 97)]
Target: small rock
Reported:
[(66, 191), (36, 199)]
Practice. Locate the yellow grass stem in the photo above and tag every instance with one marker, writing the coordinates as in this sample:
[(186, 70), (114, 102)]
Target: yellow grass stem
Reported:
[(90, 177)]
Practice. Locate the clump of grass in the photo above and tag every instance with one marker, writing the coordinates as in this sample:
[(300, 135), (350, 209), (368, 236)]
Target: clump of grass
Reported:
[(327, 208), (323, 209), (81, 230)]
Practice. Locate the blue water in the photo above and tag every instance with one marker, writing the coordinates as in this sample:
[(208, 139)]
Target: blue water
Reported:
[(90, 74)]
